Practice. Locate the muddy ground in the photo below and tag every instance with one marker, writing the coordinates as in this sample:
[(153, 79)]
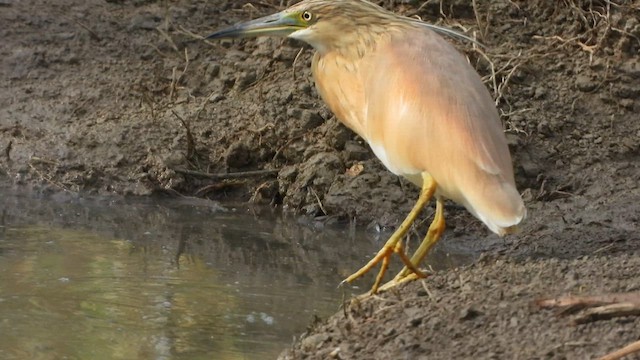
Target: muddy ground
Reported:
[(119, 97)]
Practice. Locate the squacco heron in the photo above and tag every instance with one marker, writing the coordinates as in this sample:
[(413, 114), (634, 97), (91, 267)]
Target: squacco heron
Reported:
[(420, 106)]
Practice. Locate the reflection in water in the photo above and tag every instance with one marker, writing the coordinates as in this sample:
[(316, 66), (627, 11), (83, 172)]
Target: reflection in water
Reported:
[(163, 279)]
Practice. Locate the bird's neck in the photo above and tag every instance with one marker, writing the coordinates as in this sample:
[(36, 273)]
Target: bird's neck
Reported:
[(356, 47)]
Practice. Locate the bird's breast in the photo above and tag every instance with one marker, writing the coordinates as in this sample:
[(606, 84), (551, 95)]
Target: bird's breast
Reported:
[(339, 83)]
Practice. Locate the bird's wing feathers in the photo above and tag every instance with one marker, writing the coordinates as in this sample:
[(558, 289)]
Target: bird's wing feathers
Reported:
[(422, 107), (428, 110), (424, 90)]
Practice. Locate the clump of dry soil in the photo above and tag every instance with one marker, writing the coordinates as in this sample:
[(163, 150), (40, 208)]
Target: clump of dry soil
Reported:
[(120, 97)]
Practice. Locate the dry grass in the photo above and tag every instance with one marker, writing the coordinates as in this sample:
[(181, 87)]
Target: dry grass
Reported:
[(598, 27)]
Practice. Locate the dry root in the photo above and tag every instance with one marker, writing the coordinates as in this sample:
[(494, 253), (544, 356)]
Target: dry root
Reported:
[(601, 307)]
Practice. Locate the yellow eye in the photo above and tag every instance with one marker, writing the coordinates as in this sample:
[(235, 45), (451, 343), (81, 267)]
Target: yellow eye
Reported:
[(306, 16)]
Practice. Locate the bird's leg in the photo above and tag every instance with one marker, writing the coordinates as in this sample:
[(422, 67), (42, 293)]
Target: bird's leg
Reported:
[(394, 245), (433, 235)]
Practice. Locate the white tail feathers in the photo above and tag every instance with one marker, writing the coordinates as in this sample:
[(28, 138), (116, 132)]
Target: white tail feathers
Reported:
[(502, 211)]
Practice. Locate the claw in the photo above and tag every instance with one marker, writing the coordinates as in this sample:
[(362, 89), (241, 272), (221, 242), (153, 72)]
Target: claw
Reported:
[(394, 245)]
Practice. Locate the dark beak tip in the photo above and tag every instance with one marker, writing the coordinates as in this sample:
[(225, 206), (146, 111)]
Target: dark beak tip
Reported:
[(228, 33), (216, 36)]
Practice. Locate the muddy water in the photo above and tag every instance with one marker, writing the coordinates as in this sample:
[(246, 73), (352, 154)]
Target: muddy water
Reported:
[(166, 279)]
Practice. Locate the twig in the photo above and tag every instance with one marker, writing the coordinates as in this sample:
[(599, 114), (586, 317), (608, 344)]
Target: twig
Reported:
[(318, 200), (164, 27), (505, 80), (627, 350), (510, 125), (602, 307), (604, 248), (295, 60), (262, 129), (169, 39), (478, 22), (92, 33), (36, 160), (224, 176), (204, 103), (189, 33), (608, 312), (256, 193), (590, 301), (266, 4), (426, 289), (573, 344), (591, 49), (175, 81), (289, 142), (492, 77), (191, 148), (218, 187), (39, 160)]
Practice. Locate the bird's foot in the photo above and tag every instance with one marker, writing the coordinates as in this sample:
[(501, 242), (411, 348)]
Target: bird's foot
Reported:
[(384, 256), (402, 277), (394, 244)]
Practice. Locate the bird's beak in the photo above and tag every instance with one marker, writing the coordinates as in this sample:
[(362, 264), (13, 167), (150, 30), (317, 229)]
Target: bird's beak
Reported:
[(280, 24)]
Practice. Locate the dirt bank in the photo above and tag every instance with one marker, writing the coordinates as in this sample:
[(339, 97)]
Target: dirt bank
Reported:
[(116, 96)]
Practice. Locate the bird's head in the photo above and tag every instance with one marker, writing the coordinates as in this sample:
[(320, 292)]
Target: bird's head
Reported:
[(333, 24), (324, 24)]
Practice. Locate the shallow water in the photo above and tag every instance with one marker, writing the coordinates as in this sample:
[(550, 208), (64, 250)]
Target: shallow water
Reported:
[(167, 279)]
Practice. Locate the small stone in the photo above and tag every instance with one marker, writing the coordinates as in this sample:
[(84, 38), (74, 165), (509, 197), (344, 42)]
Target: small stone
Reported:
[(237, 156), (310, 119), (585, 83), (627, 103), (173, 159), (288, 173), (415, 315), (543, 127), (245, 79), (513, 322), (144, 22), (530, 167), (513, 139), (214, 98), (355, 151), (226, 43), (313, 341), (540, 93), (212, 71), (469, 314), (338, 135), (415, 321), (294, 113)]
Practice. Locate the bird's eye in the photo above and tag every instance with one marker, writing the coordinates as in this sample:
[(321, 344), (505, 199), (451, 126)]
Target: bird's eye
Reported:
[(306, 16)]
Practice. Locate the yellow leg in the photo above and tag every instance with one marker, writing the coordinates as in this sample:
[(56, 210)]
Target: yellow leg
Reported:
[(394, 244), (433, 235)]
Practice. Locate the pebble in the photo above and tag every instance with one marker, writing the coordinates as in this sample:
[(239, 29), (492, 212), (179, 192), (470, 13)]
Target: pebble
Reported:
[(313, 341), (585, 83), (469, 313)]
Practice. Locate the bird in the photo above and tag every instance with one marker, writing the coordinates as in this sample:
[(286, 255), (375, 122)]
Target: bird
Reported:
[(418, 103)]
